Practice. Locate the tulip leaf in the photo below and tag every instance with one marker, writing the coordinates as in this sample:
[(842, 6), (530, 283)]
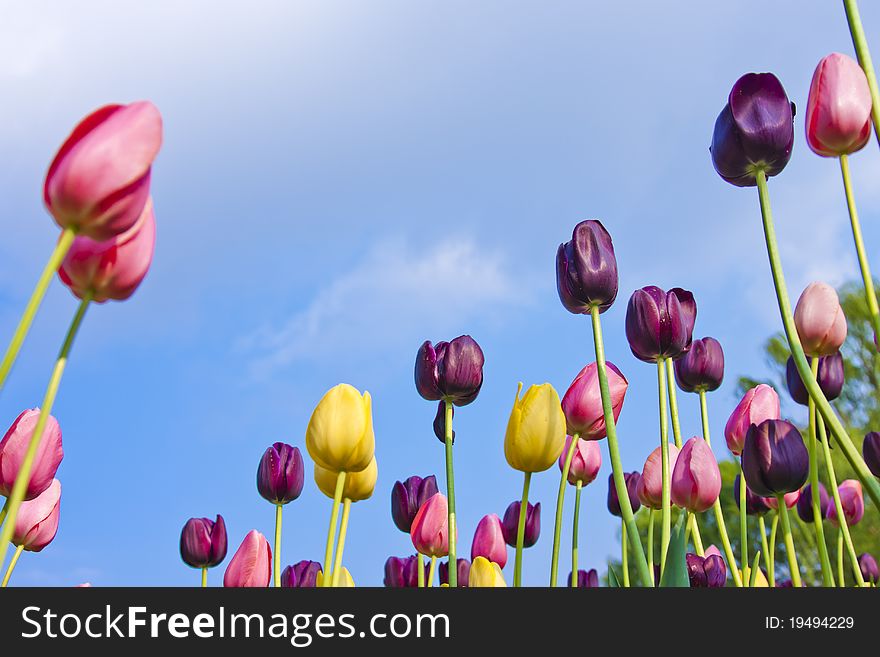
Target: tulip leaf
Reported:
[(675, 572), (613, 582)]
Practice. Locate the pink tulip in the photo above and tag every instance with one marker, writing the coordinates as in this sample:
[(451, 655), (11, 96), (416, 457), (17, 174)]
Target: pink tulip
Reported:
[(585, 462), (37, 520), (99, 181), (758, 404), (820, 322), (489, 541), (696, 479), (650, 488), (838, 107), (251, 565), (713, 550), (582, 403), (15, 444), (112, 269), (430, 527), (790, 500), (852, 501)]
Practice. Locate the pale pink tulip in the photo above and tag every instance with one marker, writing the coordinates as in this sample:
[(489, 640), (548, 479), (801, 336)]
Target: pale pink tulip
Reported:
[(251, 565), (15, 444), (650, 488), (37, 520), (585, 462), (839, 107), (696, 479), (820, 322), (758, 404), (489, 541)]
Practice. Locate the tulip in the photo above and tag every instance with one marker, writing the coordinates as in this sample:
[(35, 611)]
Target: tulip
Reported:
[(586, 269), (805, 503), (406, 498), (535, 432), (838, 108), (774, 459), (401, 573), (582, 403), (819, 319), (99, 181), (706, 572), (489, 541), (790, 499), (345, 580), (113, 268), (439, 424), (203, 542), (430, 527), (696, 479), (650, 488), (701, 369), (280, 474), (340, 432), (14, 446), (632, 486), (760, 577), (660, 324), (830, 378), (586, 579), (852, 501), (463, 572), (450, 371), (358, 485), (871, 452), (251, 565), (869, 568), (37, 520), (758, 404), (510, 524), (485, 574), (301, 575), (756, 505), (755, 130), (585, 461)]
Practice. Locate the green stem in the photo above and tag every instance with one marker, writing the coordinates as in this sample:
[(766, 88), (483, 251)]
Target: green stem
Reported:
[(450, 492), (665, 495), (864, 55), (651, 542), (276, 561), (695, 532), (11, 567), (743, 521), (624, 555), (3, 511), (433, 568), (205, 577), (19, 488), (815, 502), (33, 304), (521, 529), (420, 562), (774, 526), (331, 532), (841, 579), (789, 542), (753, 575), (574, 534), (764, 548), (673, 403), (616, 467), (340, 547), (560, 501)]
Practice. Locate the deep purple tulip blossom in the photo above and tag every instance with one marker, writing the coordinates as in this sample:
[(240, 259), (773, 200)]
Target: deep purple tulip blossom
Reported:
[(755, 504), (301, 575), (510, 524), (632, 490), (280, 474), (830, 378), (805, 503), (871, 452), (203, 542), (586, 269), (406, 498), (450, 371), (701, 369), (660, 324), (775, 459), (706, 572)]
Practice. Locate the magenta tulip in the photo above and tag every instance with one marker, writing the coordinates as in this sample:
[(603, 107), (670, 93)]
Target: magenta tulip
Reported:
[(585, 462), (650, 488), (758, 404), (820, 322), (582, 403), (853, 502), (430, 527), (696, 479), (37, 520), (203, 542), (251, 565), (15, 444), (489, 541), (838, 108)]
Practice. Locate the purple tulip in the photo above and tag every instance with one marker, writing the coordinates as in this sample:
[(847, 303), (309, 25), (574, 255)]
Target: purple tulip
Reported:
[(696, 479), (754, 131), (587, 579), (203, 542), (805, 503), (586, 269), (869, 568), (830, 379), (403, 572), (632, 490), (852, 500), (440, 423), (775, 459), (871, 452), (450, 371), (489, 541), (510, 524), (464, 570), (280, 474), (301, 575), (755, 504), (660, 324), (701, 369), (706, 572), (406, 498)]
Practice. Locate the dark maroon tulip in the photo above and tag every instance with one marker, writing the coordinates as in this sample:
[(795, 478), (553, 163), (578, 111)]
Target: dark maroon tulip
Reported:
[(784, 584), (510, 524), (280, 474), (754, 131), (830, 379), (402, 572), (406, 498), (871, 452), (632, 486), (203, 542), (702, 367), (805, 503), (301, 575), (869, 568), (464, 571), (755, 504), (450, 371), (706, 572), (660, 324), (586, 269), (587, 579), (775, 459), (440, 423)]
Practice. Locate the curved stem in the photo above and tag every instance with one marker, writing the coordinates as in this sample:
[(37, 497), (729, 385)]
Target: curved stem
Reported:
[(651, 542), (205, 577), (789, 543), (864, 55), (331, 532), (841, 578), (753, 575), (19, 488), (665, 495), (33, 304), (420, 563), (431, 571), (3, 511), (340, 547), (574, 534), (560, 501), (276, 554), (743, 520), (695, 533), (450, 492), (763, 529), (11, 567), (774, 526), (673, 403), (521, 529), (624, 555), (815, 502)]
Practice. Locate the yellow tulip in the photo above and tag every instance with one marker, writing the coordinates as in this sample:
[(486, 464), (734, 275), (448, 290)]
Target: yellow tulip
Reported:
[(485, 574), (760, 578), (340, 432), (346, 581), (358, 485), (536, 430)]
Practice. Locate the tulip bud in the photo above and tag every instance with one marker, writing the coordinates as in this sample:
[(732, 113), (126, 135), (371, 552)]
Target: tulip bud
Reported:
[(696, 479), (706, 572), (346, 581), (660, 324), (871, 452), (790, 499), (408, 496), (99, 181), (774, 459), (805, 503), (586, 269), (489, 541), (535, 432), (439, 424), (203, 542), (819, 319), (632, 488), (585, 462), (756, 505), (402, 573), (37, 520), (587, 579), (582, 403), (14, 446), (838, 107), (340, 432), (830, 378), (869, 568), (301, 575), (760, 577), (450, 371), (510, 524), (251, 565), (650, 488), (464, 569), (701, 369), (430, 527), (755, 130), (485, 574), (852, 501), (758, 404), (357, 486), (280, 474)]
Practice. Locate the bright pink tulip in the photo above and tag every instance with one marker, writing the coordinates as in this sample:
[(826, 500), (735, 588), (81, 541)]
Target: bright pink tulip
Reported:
[(650, 488), (251, 565), (790, 500), (582, 403), (838, 107), (585, 462), (489, 541), (112, 269), (15, 444), (430, 527), (37, 520), (852, 500), (696, 479), (820, 322), (99, 180), (758, 404), (713, 550)]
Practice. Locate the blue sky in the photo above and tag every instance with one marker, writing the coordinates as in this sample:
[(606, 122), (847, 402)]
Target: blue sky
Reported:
[(343, 180)]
